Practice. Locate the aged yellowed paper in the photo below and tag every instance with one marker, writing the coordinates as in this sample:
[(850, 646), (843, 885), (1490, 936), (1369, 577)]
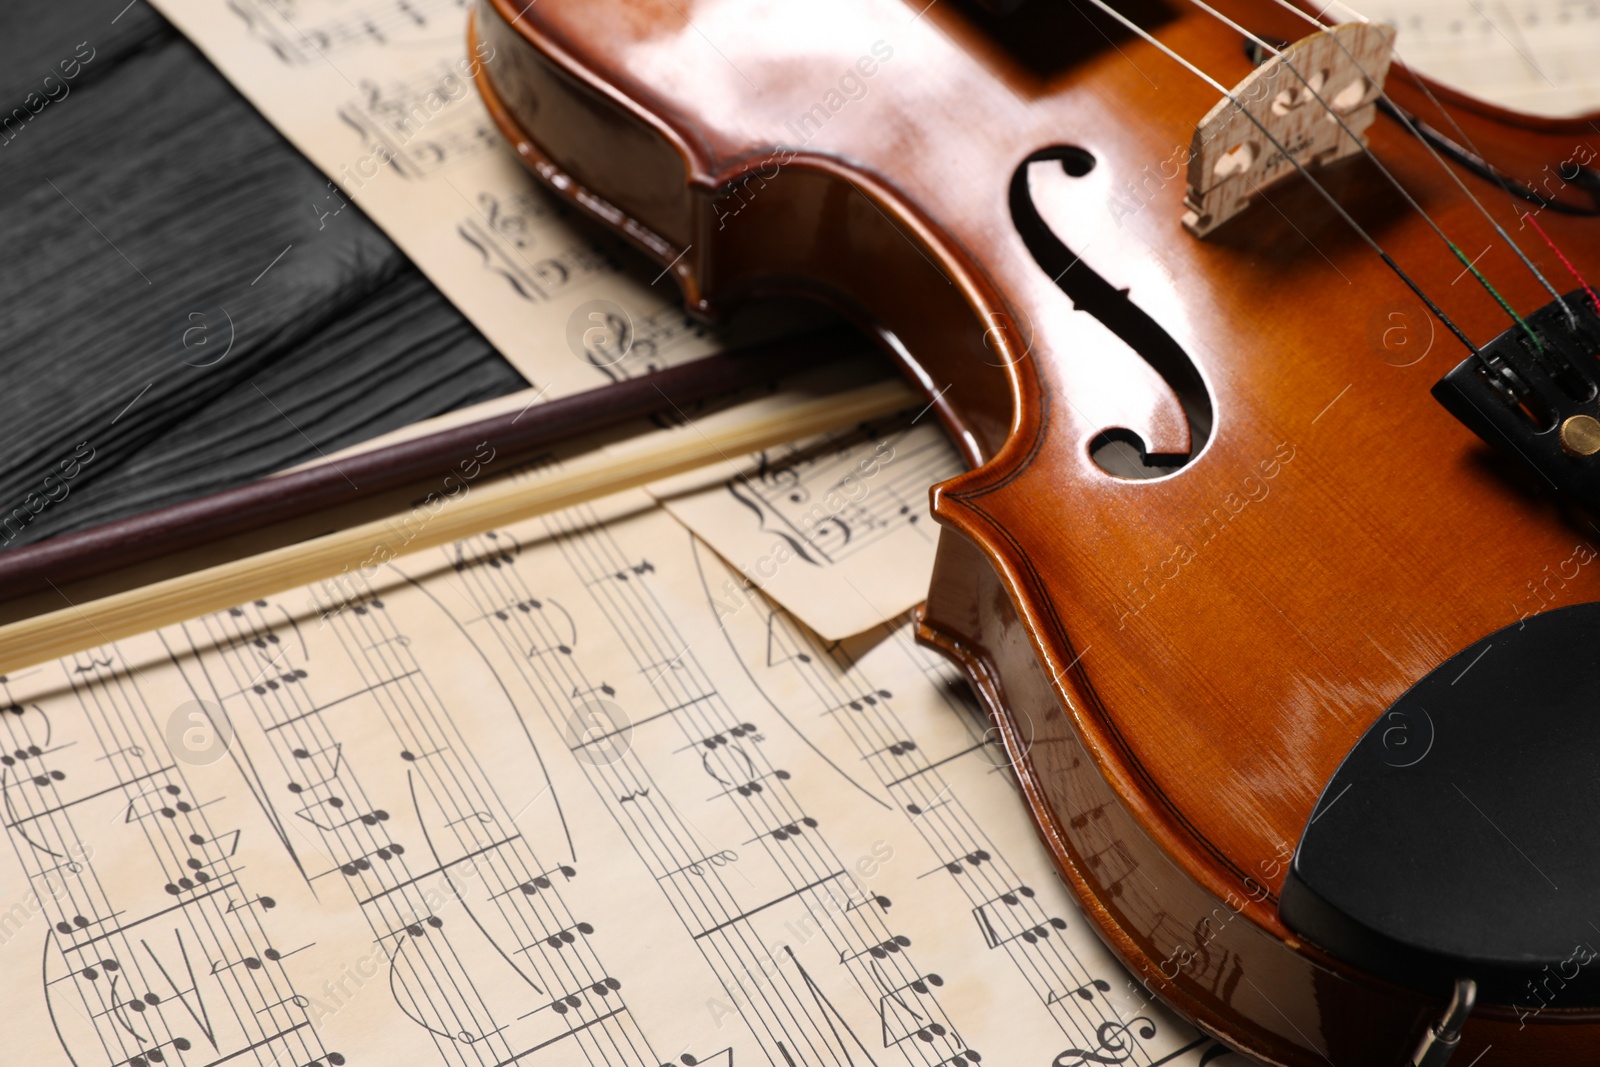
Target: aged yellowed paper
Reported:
[(835, 528), (532, 799)]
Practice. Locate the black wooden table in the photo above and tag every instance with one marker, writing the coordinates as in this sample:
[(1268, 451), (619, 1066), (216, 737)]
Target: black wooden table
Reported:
[(156, 341)]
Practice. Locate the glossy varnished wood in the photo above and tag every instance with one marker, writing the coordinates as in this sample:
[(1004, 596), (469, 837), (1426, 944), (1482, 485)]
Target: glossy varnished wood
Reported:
[(1180, 663)]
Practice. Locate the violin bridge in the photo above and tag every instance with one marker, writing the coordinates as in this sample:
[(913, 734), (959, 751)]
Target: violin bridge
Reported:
[(1231, 159)]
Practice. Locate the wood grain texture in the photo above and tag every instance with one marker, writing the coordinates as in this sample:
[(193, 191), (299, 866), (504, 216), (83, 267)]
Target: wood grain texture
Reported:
[(1179, 662), (342, 339)]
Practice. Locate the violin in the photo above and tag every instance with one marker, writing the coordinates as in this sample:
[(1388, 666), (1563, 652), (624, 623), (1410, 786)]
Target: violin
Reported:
[(1275, 371)]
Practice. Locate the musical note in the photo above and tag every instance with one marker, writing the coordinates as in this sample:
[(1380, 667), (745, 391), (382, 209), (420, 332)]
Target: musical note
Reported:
[(849, 505), (423, 127), (262, 643), (1009, 920), (336, 804), (868, 700), (227, 851), (305, 755), (975, 858), (901, 1021), (168, 808), (500, 231), (358, 864), (483, 817), (1083, 992), (742, 730), (881, 950), (92, 972), (524, 606), (1031, 935), (577, 999), (186, 882), (299, 1000), (416, 928), (262, 688), (879, 899), (918, 809), (252, 963), (560, 939), (787, 831), (79, 922), (715, 859), (752, 786), (55, 877), (152, 1053), (540, 882), (267, 903)]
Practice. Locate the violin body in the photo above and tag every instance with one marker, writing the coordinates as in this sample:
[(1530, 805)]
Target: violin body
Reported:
[(1178, 664)]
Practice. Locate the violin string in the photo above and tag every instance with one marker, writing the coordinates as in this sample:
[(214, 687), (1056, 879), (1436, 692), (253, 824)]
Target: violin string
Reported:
[(1527, 217), (1283, 57), (1405, 120), (1499, 178), (1422, 84), (1333, 201)]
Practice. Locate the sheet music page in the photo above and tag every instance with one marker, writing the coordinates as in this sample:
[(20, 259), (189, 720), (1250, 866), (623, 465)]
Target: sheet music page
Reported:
[(543, 797), (1535, 56), (836, 528), (379, 95)]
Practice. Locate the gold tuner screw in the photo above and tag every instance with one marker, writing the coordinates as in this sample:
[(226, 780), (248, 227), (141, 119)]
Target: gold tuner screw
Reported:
[(1580, 435)]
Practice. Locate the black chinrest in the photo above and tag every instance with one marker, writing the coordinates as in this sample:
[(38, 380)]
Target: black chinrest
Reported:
[(1461, 836)]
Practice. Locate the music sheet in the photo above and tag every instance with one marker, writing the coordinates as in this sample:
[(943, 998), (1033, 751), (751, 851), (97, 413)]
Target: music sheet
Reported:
[(1535, 56), (379, 95), (549, 796), (835, 528)]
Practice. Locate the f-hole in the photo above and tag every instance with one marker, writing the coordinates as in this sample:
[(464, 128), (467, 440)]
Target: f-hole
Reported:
[(1117, 450)]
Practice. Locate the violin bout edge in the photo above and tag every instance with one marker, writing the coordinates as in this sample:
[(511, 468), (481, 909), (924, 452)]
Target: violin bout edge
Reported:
[(1144, 903), (1187, 926)]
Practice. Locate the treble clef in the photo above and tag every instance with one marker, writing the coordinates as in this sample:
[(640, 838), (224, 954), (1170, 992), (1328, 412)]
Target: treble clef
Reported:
[(1114, 1045)]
